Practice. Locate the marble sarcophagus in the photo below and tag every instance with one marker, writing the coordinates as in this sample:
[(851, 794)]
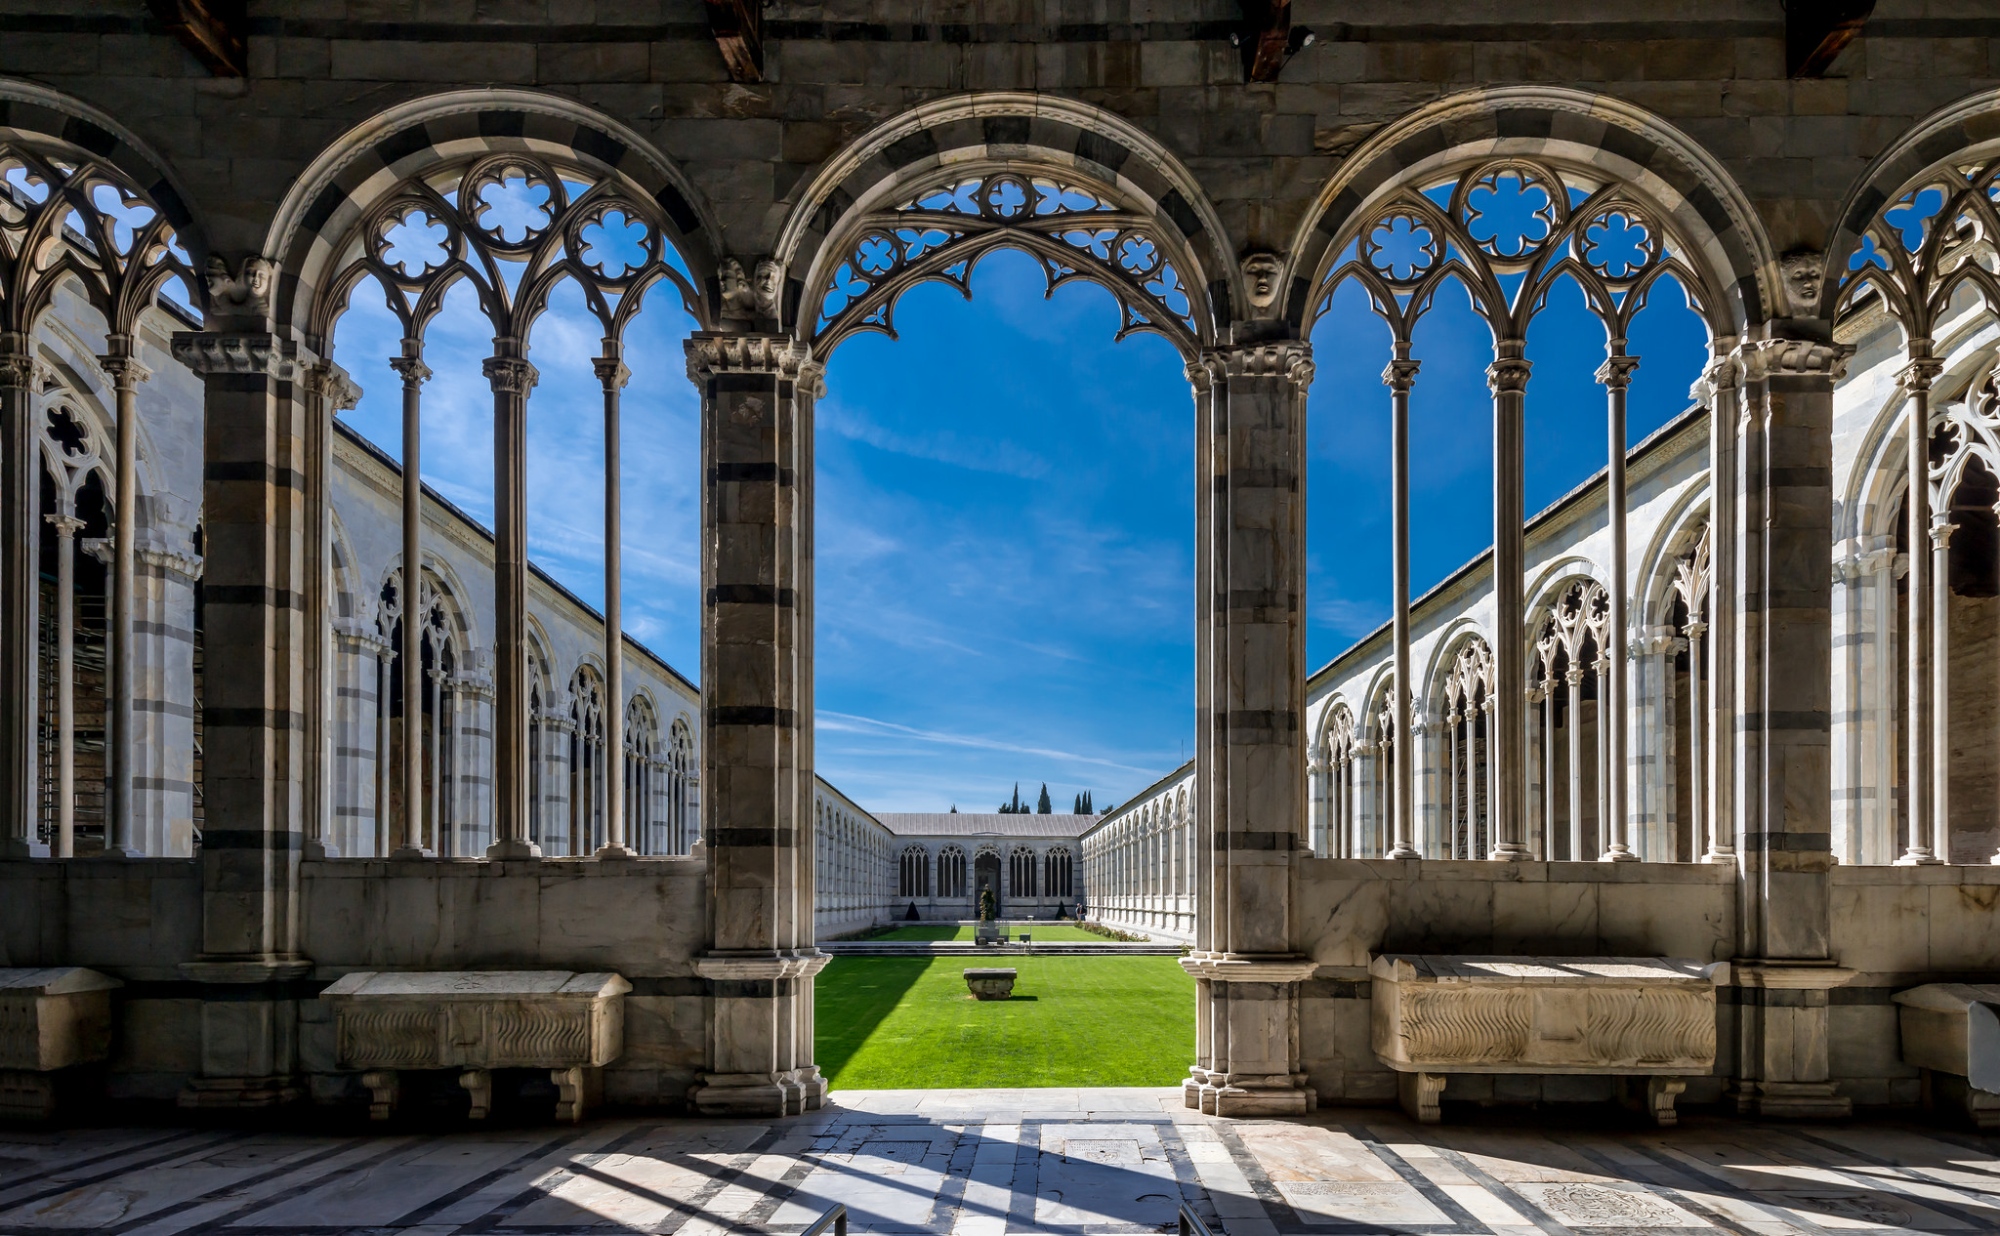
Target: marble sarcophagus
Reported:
[(477, 1021), (1647, 1018), (50, 1019)]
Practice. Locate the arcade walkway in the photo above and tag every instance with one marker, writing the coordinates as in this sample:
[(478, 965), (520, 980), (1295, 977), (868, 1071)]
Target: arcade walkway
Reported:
[(991, 1162)]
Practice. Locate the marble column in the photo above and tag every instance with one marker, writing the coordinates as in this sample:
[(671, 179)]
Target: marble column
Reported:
[(1614, 710), (1780, 527), (1720, 389), (612, 375), (1940, 668), (20, 595), (1507, 377), (329, 391), (1864, 721), (66, 526), (757, 460), (1400, 374), (512, 377), (1925, 817), (1250, 707), (410, 840), (253, 725), (121, 363), (1574, 726)]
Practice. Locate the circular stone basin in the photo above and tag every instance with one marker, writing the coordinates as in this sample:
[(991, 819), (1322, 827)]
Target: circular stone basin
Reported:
[(990, 984)]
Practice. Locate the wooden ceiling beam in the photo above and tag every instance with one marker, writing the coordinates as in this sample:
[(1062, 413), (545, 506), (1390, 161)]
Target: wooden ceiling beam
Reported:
[(211, 29), (1817, 30), (738, 26)]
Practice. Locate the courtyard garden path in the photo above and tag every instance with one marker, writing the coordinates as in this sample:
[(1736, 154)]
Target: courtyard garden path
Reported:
[(998, 1162)]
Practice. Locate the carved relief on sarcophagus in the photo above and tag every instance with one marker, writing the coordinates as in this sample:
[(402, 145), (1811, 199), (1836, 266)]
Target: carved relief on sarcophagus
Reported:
[(478, 1021)]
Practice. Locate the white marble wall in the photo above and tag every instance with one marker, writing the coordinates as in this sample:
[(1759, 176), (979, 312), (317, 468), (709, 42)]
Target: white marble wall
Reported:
[(1139, 862)]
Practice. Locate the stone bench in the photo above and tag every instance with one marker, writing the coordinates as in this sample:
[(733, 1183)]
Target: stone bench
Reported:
[(50, 1019), (1643, 1020), (1954, 1029), (477, 1021)]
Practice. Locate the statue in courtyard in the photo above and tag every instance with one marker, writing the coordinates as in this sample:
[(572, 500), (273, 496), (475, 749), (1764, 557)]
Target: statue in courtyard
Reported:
[(989, 908)]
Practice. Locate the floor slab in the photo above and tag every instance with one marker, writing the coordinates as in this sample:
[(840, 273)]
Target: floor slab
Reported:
[(1010, 1163)]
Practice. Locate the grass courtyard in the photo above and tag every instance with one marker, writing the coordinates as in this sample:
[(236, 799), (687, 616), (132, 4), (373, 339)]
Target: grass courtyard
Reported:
[(908, 1023), (1044, 933)]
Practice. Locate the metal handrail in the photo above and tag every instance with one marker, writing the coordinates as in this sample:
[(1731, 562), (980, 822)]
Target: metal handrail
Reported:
[(1191, 1224), (836, 1218)]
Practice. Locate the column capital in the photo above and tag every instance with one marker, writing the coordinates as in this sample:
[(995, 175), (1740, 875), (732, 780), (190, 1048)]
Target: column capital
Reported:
[(1616, 371), (1400, 374), (1279, 358), (184, 563), (510, 375), (411, 368), (1941, 530), (1723, 373), (1793, 358), (1917, 376), (332, 383), (17, 361), (120, 362), (1508, 373), (259, 352), (611, 372), (712, 354), (1656, 641), (66, 526)]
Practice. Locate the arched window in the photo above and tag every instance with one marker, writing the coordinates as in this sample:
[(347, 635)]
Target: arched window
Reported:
[(682, 826), (1058, 882), (1568, 675), (586, 763), (1465, 712), (916, 873), (644, 828), (418, 753), (951, 872), (1021, 872)]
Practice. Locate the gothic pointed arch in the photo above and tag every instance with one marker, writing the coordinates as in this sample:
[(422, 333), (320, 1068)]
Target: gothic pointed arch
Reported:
[(430, 154), (1610, 159), (99, 147), (926, 194)]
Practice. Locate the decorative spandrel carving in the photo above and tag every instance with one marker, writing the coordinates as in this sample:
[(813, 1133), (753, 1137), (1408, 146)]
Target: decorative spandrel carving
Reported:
[(1924, 248), (1072, 229)]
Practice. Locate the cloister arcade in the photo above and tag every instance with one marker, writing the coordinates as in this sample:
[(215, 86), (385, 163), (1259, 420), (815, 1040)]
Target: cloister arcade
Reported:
[(1646, 671)]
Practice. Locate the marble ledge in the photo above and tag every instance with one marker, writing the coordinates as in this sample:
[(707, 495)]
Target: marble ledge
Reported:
[(650, 867), (1477, 871), (1986, 874)]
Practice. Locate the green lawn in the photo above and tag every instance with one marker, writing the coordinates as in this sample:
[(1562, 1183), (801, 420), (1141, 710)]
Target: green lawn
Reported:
[(1042, 932), (908, 1023)]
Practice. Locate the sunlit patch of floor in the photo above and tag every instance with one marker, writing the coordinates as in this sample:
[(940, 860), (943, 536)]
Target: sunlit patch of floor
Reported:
[(1084, 1162)]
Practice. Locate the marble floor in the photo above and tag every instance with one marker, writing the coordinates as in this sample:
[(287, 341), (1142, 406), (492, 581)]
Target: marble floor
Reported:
[(1022, 1161)]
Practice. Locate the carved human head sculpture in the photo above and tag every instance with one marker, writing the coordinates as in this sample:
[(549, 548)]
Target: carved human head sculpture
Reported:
[(1803, 269), (770, 283), (1260, 278), (738, 301)]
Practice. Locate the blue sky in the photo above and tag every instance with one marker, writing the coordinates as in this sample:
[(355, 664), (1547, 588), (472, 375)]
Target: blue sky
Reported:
[(1005, 507)]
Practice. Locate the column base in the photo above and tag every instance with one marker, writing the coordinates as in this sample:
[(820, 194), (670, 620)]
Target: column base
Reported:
[(1919, 858), (408, 852), (812, 1089), (119, 851), (513, 849), (1619, 853), (739, 1094), (1276, 1096), (240, 1093), (1790, 1100), (1511, 852), (613, 853), (21, 847)]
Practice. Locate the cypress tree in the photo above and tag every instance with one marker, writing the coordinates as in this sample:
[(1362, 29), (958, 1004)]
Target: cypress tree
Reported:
[(1042, 805)]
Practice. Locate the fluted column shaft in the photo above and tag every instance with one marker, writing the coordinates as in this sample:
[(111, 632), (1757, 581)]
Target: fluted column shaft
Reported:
[(1507, 377)]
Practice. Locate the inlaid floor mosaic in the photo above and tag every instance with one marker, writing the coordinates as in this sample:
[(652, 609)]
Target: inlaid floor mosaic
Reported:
[(991, 1163)]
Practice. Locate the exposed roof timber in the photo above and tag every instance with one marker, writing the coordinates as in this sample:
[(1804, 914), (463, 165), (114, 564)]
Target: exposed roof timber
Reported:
[(738, 26), (1268, 39), (211, 29), (1817, 30)]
